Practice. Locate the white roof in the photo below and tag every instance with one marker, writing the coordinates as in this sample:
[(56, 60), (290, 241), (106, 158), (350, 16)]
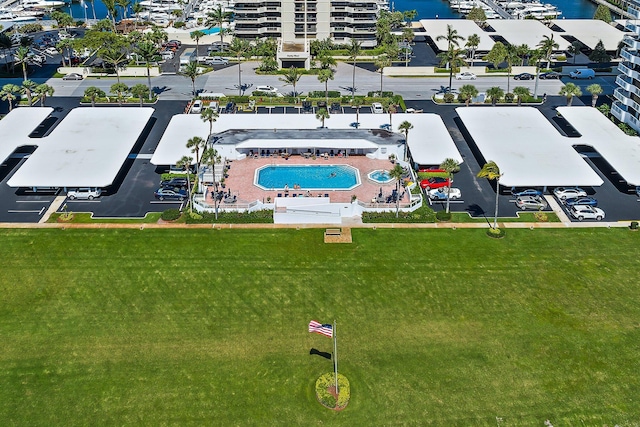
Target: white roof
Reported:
[(87, 149), (525, 31), (429, 140), (621, 151), (16, 126), (526, 147), (464, 27), (311, 143), (590, 31)]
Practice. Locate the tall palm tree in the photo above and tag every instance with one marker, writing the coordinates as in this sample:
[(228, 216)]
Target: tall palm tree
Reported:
[(291, 78), (569, 91), (22, 56), (211, 156), (111, 6), (472, 44), (29, 86), (192, 71), (353, 50), (454, 59), (547, 45), (324, 75), (452, 37), (124, 5), (10, 93), (391, 109), (209, 115), (511, 57), (137, 9), (217, 18), (594, 89), (322, 115), (240, 47), (535, 56), (491, 171), (141, 91), (185, 163), (574, 49), (396, 173), (495, 93), (92, 93), (451, 166), (196, 144), (197, 35), (357, 103), (405, 127), (44, 90), (521, 92), (327, 61), (147, 51), (468, 92), (120, 90), (382, 61)]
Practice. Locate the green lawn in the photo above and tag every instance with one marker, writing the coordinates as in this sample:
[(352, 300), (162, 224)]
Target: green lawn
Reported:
[(208, 327)]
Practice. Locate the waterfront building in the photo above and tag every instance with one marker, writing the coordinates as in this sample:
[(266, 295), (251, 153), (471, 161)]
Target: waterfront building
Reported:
[(626, 107), (296, 22)]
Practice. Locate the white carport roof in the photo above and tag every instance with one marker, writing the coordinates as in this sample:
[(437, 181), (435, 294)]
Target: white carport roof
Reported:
[(526, 147), (429, 141), (16, 126), (87, 149), (590, 31), (465, 27), (525, 31), (315, 143), (621, 151)]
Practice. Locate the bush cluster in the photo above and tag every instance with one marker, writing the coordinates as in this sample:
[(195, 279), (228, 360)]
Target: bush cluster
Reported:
[(170, 215), (422, 215), (30, 28), (383, 94), (224, 217), (496, 233), (320, 94), (443, 216), (327, 399)]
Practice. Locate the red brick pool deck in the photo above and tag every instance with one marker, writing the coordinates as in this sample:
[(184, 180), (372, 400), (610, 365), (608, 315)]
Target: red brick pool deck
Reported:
[(242, 172)]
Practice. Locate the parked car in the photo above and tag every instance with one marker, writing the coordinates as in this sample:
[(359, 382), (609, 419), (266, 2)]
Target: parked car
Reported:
[(531, 202), (434, 182), (550, 75), (465, 76), (377, 108), (270, 90), (524, 76), (196, 107), (563, 193), (84, 193), (216, 60), (73, 76), (583, 73), (527, 192), (433, 169), (589, 201), (174, 182), (51, 51), (441, 193), (176, 42), (218, 47), (170, 194), (638, 191), (167, 54), (581, 212), (174, 45)]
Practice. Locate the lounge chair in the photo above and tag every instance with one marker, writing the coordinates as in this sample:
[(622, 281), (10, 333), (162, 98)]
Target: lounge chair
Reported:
[(326, 194), (279, 194)]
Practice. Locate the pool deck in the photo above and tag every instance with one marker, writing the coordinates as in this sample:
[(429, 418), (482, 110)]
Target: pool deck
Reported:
[(241, 179)]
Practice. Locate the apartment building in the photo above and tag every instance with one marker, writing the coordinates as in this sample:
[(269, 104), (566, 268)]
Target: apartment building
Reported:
[(296, 22), (626, 107)]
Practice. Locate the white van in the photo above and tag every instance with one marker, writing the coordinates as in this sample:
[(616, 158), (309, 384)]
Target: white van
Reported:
[(84, 193), (582, 73)]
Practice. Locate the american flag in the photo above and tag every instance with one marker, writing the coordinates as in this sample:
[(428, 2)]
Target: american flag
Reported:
[(324, 329)]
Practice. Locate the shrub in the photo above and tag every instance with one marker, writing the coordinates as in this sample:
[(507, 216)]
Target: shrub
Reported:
[(31, 28), (320, 94), (170, 215), (496, 233), (541, 216), (422, 215), (179, 24), (327, 399), (231, 217), (634, 225), (509, 97), (449, 97), (377, 93), (443, 216)]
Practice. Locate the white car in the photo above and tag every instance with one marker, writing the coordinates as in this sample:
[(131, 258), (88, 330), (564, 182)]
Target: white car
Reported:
[(216, 60), (84, 193), (564, 193), (465, 76), (581, 212), (196, 107), (51, 51), (377, 108), (441, 193)]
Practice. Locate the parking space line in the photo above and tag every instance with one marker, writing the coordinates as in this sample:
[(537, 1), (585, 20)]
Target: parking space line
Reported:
[(165, 201), (34, 201), (25, 211), (82, 201)]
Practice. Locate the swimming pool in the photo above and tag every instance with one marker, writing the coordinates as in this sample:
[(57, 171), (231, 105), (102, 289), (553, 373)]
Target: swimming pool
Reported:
[(209, 31), (308, 177)]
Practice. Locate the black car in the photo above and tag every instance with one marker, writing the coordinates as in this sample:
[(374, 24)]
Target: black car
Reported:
[(550, 75), (170, 194), (524, 76), (174, 182)]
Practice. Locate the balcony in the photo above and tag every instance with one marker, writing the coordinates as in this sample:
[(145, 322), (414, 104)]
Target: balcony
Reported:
[(624, 98), (630, 56), (632, 27), (631, 42), (624, 69), (625, 83), (621, 113), (633, 11)]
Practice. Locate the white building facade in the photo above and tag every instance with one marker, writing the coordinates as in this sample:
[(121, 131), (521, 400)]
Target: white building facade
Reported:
[(626, 107)]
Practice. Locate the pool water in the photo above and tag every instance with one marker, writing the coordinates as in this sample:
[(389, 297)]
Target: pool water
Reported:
[(308, 177), (209, 31), (380, 176)]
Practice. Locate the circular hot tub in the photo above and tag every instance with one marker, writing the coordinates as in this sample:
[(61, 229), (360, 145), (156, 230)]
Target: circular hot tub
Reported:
[(380, 176)]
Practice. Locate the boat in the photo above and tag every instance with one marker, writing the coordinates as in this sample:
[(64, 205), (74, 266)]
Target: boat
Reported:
[(42, 4)]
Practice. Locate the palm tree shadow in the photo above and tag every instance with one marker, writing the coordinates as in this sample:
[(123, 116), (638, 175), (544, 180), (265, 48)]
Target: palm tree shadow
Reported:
[(477, 211), (315, 352)]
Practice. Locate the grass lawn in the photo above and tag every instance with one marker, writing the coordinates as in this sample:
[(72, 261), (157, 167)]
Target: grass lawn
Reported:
[(209, 327)]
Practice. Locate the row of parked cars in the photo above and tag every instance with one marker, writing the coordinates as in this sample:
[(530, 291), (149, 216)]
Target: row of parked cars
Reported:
[(172, 189), (579, 205)]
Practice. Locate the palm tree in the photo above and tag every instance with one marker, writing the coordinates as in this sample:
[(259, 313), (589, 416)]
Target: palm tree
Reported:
[(209, 115), (112, 10), (472, 44), (22, 55), (396, 173), (212, 157), (391, 109), (63, 45), (491, 171), (451, 166), (239, 47), (120, 90), (185, 163), (5, 44), (547, 45), (217, 18), (197, 35), (574, 49), (594, 89), (326, 61), (147, 51), (137, 10), (405, 127), (453, 58), (323, 77), (28, 86), (140, 91), (291, 78), (322, 115), (570, 90), (92, 93), (196, 144), (192, 71), (382, 61), (353, 50), (357, 103), (124, 4), (495, 93), (521, 92), (468, 92), (451, 37), (44, 90), (10, 93), (511, 57), (536, 56)]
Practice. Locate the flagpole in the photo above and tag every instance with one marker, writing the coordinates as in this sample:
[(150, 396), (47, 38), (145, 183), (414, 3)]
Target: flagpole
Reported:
[(335, 354)]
